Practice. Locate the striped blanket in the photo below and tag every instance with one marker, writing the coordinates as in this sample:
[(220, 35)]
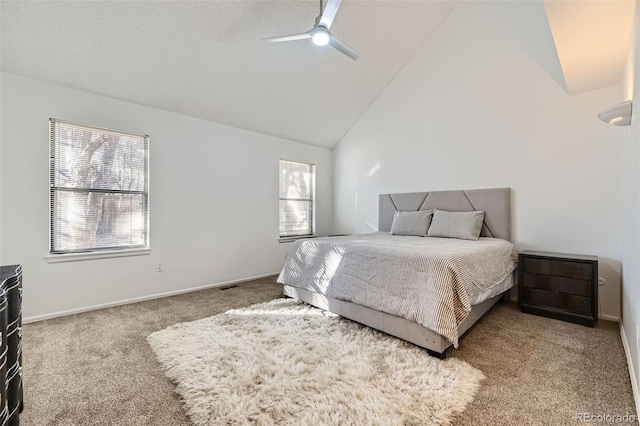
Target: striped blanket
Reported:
[(423, 279)]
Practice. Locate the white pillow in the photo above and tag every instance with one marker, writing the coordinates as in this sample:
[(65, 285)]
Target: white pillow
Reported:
[(411, 223), (461, 225)]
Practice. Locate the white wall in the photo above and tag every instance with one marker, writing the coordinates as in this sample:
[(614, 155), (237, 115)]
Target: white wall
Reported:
[(1, 261), (630, 221), (213, 199), (481, 105)]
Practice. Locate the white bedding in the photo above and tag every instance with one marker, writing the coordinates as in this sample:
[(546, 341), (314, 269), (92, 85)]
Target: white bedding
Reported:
[(431, 281)]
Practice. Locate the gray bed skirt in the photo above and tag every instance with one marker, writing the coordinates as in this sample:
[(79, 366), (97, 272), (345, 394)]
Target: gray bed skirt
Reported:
[(391, 324)]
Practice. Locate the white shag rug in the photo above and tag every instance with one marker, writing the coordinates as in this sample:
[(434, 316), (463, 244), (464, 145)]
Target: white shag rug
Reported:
[(287, 363)]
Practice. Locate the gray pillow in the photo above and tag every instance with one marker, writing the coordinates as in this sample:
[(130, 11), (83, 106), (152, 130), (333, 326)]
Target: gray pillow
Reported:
[(411, 223), (461, 225)]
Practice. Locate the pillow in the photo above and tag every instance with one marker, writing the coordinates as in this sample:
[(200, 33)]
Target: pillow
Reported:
[(461, 225), (411, 223)]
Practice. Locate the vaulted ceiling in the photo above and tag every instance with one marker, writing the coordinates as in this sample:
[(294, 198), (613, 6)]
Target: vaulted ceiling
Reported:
[(591, 39), (207, 59)]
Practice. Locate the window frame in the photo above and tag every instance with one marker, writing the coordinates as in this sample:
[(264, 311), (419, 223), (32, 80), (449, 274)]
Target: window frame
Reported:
[(312, 200), (95, 252)]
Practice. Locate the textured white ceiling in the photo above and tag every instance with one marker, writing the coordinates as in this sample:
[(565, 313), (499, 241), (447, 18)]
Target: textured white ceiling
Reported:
[(206, 59)]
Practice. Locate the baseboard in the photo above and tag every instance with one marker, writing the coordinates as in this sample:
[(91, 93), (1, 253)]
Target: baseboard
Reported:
[(609, 317), (632, 373), (36, 318)]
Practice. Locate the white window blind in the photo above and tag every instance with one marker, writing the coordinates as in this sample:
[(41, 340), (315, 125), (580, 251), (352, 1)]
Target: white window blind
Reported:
[(98, 188), (297, 188)]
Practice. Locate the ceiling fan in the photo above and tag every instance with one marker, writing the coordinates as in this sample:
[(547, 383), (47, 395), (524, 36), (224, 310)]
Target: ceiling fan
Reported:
[(320, 34)]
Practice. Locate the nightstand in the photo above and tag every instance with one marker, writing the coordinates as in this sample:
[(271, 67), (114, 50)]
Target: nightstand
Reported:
[(558, 285)]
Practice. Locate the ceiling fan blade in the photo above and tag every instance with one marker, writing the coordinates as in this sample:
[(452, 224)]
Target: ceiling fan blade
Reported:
[(292, 37), (329, 13), (335, 42)]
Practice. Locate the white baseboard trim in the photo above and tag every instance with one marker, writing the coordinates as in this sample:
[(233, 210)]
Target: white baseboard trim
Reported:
[(36, 318), (632, 373), (609, 317)]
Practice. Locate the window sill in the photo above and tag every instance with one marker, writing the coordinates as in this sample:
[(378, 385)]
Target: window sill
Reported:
[(74, 257), (291, 239)]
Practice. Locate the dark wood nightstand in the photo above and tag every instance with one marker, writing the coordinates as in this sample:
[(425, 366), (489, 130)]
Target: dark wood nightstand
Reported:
[(558, 285)]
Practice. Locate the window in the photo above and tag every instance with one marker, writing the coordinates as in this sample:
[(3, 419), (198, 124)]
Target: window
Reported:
[(297, 188), (98, 189)]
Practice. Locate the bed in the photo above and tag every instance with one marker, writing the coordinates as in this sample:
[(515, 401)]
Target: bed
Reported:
[(426, 290)]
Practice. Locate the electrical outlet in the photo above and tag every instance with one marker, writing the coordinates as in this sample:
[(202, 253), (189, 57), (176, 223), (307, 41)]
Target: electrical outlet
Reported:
[(159, 267)]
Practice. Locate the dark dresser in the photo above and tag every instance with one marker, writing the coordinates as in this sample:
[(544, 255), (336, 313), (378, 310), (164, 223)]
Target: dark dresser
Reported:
[(558, 285), (11, 401)]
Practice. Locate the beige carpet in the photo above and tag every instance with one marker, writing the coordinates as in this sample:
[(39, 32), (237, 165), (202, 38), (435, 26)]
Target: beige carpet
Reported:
[(96, 368), (287, 363)]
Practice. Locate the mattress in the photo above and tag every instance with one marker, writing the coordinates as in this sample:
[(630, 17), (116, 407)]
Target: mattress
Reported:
[(432, 281)]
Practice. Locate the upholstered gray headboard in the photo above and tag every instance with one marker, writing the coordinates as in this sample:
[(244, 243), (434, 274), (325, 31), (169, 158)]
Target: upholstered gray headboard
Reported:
[(496, 204)]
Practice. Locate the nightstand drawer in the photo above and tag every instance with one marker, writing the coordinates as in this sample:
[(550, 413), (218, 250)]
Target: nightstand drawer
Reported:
[(560, 284), (569, 302), (561, 268)]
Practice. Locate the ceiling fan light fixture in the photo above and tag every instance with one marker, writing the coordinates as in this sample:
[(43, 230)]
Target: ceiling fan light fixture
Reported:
[(320, 37), (320, 34)]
